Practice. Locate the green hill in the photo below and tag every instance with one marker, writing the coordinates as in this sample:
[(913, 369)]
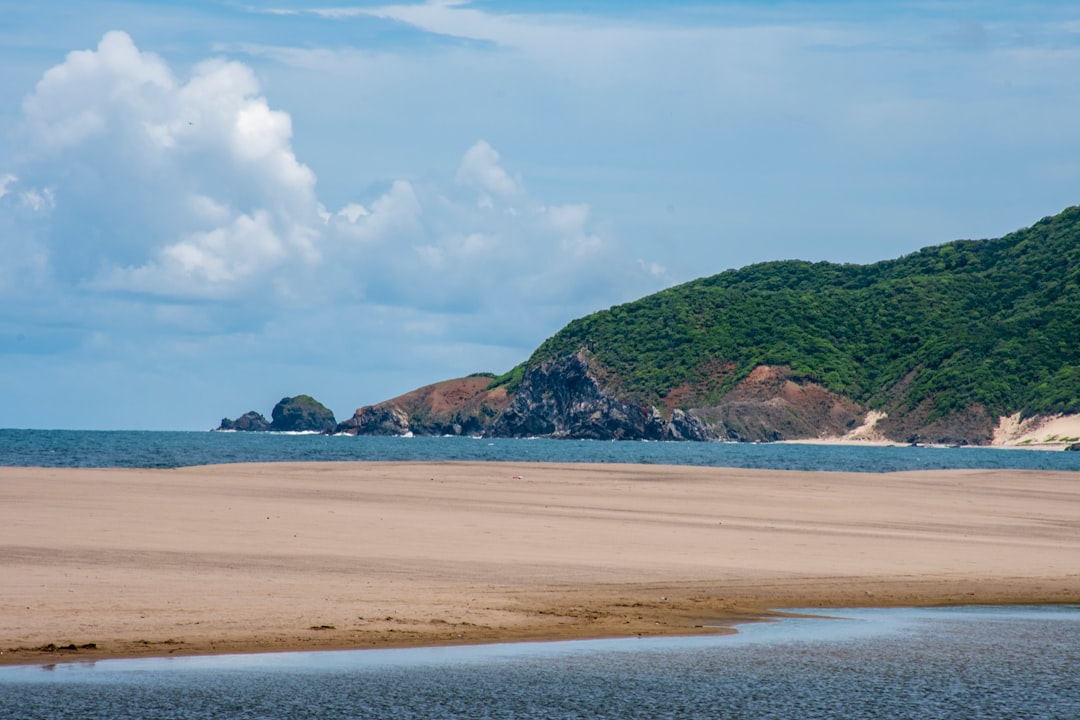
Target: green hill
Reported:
[(987, 326), (940, 344)]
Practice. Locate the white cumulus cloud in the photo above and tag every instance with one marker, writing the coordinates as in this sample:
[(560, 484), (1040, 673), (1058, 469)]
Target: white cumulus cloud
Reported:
[(194, 184), (144, 197), (203, 263), (394, 216), (481, 171)]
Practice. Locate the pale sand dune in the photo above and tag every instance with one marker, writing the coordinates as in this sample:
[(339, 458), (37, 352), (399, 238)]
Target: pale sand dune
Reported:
[(1051, 433), (294, 556)]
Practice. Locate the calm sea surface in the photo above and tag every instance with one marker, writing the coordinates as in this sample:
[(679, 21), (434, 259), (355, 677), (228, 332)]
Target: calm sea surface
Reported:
[(989, 663), (75, 448)]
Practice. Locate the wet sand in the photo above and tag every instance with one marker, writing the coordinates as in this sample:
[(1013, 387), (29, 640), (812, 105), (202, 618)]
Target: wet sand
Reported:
[(269, 557)]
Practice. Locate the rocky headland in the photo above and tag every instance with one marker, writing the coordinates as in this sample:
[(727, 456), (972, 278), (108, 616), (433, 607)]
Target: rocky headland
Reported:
[(465, 406), (968, 343), (567, 398)]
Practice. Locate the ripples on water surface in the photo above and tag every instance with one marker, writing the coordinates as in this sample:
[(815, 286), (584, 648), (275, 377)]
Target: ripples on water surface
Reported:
[(1006, 663), (77, 448)]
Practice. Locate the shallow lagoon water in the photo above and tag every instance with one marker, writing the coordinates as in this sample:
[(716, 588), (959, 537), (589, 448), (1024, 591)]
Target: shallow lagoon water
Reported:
[(976, 662)]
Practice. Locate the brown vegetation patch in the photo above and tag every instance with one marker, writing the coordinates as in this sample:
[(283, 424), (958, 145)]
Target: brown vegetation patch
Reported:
[(971, 425), (450, 395), (769, 404), (713, 376)]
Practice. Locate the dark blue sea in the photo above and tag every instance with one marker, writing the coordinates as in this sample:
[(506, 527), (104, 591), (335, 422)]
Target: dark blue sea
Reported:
[(77, 448), (1014, 663)]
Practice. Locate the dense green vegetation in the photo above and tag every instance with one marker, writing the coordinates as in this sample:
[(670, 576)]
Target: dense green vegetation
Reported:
[(993, 322)]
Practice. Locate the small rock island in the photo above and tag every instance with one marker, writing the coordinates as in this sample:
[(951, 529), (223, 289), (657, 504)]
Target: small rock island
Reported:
[(301, 413)]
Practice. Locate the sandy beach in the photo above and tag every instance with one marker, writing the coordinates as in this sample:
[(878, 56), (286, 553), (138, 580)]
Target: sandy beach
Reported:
[(267, 557)]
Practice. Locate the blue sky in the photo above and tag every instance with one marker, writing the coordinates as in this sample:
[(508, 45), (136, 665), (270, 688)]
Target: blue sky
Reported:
[(207, 206)]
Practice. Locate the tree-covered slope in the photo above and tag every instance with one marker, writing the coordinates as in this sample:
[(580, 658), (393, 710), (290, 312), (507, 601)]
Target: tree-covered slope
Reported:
[(993, 324)]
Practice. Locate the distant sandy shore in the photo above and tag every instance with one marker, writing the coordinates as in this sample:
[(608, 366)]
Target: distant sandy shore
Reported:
[(268, 557), (1053, 432)]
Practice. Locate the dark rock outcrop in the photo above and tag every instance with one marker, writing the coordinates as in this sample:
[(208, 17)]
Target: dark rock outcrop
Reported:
[(381, 419), (566, 398), (1074, 446), (302, 413), (248, 422), (685, 426), (563, 398)]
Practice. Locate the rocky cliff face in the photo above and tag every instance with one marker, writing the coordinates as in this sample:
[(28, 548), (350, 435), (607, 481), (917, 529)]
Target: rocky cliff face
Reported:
[(248, 422), (563, 398), (566, 398)]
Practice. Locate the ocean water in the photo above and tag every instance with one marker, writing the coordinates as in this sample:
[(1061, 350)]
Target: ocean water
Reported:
[(955, 663), (76, 448)]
